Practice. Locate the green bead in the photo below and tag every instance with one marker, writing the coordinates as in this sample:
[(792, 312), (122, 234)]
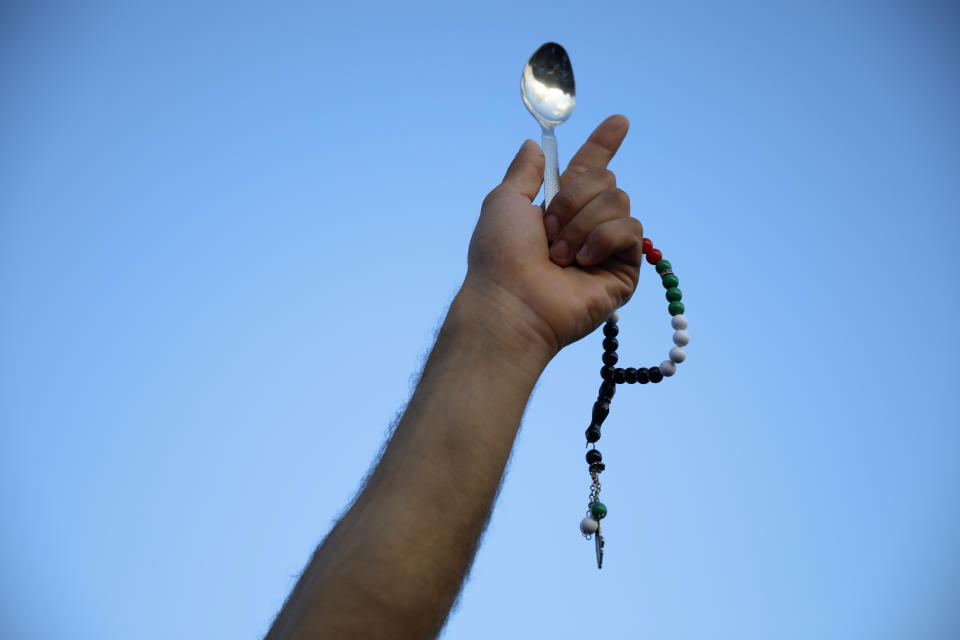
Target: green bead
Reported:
[(674, 294), (675, 308), (598, 510), (670, 280), (663, 265)]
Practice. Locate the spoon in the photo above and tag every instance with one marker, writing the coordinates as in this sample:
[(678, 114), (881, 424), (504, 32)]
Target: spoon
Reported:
[(550, 95)]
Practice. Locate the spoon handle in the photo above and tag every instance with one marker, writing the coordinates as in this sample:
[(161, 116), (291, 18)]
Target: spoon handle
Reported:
[(551, 169)]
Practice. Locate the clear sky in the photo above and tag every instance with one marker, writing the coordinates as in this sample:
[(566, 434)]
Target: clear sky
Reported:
[(228, 232)]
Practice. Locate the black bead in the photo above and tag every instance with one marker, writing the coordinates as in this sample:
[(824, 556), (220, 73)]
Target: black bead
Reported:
[(601, 410), (610, 344), (643, 376), (610, 358), (607, 389), (655, 374), (610, 330), (606, 373), (630, 375), (593, 433), (618, 376), (593, 456)]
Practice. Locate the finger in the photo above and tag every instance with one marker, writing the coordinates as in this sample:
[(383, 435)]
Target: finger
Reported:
[(574, 196), (622, 238), (525, 173), (599, 148), (610, 204)]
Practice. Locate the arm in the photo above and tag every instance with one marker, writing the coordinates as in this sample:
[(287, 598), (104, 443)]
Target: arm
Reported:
[(392, 567)]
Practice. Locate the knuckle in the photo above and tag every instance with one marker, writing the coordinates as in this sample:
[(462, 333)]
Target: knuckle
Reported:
[(575, 168), (602, 175), (620, 198), (487, 201)]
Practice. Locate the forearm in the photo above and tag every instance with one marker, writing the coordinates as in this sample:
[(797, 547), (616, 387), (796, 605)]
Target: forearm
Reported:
[(392, 567)]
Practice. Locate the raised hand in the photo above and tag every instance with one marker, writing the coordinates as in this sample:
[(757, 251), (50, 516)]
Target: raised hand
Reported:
[(563, 271)]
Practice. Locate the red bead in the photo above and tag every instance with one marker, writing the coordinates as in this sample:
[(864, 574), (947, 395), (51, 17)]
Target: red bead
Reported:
[(654, 256), (647, 245)]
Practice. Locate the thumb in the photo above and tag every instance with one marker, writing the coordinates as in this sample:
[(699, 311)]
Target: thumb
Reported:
[(525, 173)]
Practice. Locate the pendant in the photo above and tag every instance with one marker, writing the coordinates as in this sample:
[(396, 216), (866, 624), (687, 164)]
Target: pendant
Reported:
[(598, 541)]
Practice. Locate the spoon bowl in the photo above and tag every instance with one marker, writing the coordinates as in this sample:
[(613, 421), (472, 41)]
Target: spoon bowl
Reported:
[(547, 85), (550, 94)]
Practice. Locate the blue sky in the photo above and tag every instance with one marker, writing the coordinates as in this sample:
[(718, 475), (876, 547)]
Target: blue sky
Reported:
[(228, 232)]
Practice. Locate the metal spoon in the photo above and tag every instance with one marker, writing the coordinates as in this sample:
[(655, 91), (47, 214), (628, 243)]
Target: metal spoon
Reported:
[(548, 91)]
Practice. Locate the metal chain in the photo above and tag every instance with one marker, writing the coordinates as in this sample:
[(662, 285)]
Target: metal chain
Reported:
[(594, 489)]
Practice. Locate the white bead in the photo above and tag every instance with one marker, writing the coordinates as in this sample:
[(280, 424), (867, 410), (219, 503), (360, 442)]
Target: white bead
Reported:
[(677, 354), (588, 526), (614, 317), (667, 368), (681, 338), (679, 321)]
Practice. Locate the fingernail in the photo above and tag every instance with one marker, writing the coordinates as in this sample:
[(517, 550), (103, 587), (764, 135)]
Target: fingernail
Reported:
[(584, 254), (561, 250), (551, 225)]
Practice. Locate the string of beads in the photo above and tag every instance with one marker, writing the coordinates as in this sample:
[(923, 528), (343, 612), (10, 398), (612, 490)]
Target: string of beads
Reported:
[(613, 376)]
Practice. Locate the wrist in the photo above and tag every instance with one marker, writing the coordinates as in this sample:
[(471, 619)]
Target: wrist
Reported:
[(502, 324)]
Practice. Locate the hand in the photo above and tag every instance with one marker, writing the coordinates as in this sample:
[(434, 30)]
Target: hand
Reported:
[(562, 272)]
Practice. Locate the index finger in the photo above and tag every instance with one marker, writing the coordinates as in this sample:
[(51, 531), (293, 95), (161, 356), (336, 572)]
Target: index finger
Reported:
[(599, 148)]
